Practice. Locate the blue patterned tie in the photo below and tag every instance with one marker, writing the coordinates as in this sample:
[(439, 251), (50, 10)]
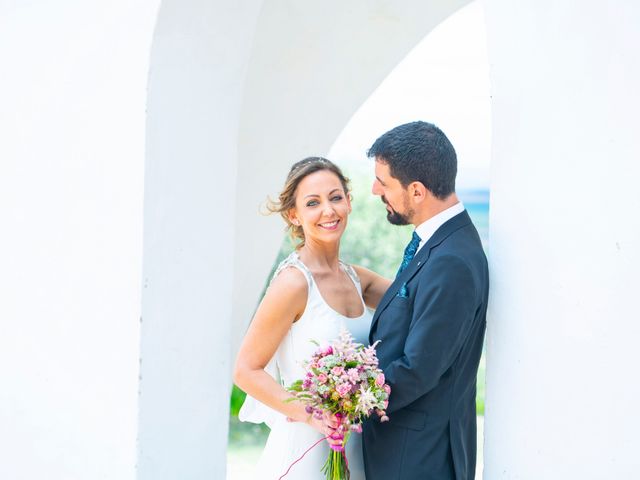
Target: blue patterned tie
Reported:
[(409, 253)]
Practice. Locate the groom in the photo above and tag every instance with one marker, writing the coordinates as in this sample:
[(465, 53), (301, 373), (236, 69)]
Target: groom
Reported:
[(431, 321)]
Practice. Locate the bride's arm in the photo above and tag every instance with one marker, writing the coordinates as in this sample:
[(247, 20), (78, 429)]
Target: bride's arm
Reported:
[(373, 285), (283, 303)]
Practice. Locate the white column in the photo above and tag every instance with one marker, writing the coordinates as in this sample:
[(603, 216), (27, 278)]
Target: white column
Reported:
[(72, 91), (197, 72), (562, 394)]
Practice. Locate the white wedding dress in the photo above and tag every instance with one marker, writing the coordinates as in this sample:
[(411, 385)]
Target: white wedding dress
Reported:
[(288, 441)]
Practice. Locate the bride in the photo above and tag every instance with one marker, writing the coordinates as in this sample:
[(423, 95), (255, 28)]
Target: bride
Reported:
[(312, 296)]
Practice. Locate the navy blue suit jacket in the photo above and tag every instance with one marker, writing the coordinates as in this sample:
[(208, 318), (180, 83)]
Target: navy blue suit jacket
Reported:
[(431, 343)]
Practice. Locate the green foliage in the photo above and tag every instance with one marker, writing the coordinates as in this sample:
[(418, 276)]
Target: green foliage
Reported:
[(244, 435), (296, 386), (237, 399), (480, 385)]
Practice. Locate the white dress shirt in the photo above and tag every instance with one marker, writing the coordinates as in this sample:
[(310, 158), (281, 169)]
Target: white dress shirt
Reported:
[(426, 229)]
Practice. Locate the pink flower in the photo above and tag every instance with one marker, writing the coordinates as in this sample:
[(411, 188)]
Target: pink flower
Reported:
[(387, 389), (380, 379), (322, 378), (328, 350), (337, 370), (383, 416), (353, 374), (343, 389)]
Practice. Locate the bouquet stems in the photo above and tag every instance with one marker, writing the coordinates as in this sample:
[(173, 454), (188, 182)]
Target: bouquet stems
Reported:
[(337, 467)]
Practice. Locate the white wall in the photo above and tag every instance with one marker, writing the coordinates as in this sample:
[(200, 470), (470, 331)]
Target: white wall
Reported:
[(72, 91), (562, 399), (267, 84), (197, 71)]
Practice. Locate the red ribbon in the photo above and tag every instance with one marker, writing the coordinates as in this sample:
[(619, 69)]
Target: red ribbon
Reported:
[(336, 449), (307, 451)]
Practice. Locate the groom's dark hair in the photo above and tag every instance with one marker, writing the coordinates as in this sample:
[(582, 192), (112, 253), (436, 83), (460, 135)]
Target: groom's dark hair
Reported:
[(419, 152)]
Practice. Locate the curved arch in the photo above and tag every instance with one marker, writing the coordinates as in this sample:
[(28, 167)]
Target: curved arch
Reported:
[(239, 91), (235, 94), (310, 70)]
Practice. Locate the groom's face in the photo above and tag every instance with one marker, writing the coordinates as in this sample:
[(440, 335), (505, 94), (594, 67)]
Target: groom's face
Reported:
[(393, 194)]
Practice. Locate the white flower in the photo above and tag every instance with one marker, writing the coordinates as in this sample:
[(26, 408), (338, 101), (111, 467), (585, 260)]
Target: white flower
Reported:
[(367, 400)]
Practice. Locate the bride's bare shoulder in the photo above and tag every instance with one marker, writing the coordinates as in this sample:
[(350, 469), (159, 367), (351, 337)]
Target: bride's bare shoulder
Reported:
[(288, 288), (285, 298), (289, 278)]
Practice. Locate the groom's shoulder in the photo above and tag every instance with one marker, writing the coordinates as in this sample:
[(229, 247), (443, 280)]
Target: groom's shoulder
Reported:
[(463, 238), (461, 246), (444, 261)]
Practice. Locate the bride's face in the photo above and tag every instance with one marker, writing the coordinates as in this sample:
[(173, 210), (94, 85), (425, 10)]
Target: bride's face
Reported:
[(322, 207)]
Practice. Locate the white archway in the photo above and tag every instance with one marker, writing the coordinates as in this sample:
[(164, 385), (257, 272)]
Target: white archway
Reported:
[(564, 226), (308, 68), (265, 94)]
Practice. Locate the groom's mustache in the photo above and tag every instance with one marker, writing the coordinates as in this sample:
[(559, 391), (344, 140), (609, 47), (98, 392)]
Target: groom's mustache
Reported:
[(384, 200)]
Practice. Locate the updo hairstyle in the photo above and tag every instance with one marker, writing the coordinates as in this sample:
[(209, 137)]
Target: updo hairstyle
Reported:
[(287, 198)]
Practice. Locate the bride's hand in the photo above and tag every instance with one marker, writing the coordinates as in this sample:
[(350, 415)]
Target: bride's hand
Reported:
[(336, 435), (326, 426)]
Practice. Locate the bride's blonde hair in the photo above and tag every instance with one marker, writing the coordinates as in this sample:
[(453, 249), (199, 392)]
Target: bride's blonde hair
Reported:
[(287, 198)]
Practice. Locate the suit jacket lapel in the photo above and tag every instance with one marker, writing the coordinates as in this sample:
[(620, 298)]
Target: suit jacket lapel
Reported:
[(419, 260)]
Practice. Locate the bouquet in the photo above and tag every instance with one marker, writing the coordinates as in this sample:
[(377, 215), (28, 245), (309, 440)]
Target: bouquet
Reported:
[(343, 379)]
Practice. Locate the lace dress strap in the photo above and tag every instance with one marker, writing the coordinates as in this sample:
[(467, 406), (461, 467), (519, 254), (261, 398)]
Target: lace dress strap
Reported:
[(352, 274), (293, 260)]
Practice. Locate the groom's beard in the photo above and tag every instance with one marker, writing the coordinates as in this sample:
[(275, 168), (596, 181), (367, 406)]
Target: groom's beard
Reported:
[(396, 218)]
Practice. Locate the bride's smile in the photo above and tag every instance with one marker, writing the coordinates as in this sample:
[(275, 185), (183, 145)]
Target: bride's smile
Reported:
[(321, 207), (330, 225)]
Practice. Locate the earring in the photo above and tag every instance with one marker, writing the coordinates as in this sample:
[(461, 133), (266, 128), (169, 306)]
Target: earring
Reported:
[(295, 222)]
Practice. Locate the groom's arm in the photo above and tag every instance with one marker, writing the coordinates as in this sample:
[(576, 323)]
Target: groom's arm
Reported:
[(444, 308)]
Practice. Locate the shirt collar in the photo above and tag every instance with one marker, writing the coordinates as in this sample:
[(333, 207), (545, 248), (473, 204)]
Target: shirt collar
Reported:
[(426, 229)]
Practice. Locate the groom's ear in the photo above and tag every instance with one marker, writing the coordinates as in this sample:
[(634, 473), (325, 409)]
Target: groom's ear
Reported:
[(418, 192)]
